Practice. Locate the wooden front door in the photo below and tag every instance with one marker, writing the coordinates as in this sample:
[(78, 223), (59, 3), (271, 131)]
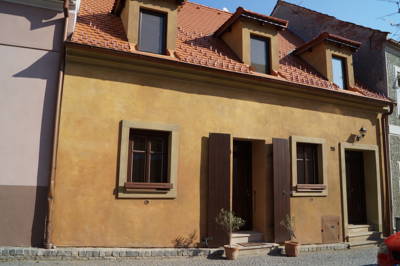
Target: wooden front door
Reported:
[(242, 185), (355, 181)]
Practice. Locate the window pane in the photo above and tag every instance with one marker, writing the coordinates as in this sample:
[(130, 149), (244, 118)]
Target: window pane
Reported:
[(300, 172), (139, 144), (138, 164), (157, 145), (260, 54), (338, 70), (156, 168), (152, 32)]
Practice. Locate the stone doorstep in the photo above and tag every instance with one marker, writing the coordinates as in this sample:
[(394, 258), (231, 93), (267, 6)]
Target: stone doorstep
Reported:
[(101, 253), (320, 247)]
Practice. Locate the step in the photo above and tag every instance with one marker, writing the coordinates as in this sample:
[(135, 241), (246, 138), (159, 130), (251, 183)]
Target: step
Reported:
[(256, 248), (368, 243), (364, 236), (246, 237), (359, 228)]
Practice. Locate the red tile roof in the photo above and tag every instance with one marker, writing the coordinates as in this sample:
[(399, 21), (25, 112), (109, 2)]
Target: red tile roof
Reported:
[(97, 26)]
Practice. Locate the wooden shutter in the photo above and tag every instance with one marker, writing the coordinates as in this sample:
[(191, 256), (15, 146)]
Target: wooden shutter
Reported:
[(219, 168), (281, 165)]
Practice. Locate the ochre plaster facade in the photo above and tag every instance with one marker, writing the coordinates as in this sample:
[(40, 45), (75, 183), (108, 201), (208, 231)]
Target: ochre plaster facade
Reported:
[(99, 94)]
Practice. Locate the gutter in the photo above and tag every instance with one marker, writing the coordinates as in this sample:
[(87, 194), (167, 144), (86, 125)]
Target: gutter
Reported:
[(50, 198), (388, 183)]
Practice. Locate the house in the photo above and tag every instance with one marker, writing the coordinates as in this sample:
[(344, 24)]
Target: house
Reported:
[(31, 52), (173, 110), (376, 50)]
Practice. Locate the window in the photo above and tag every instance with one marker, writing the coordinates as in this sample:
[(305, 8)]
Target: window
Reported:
[(397, 87), (307, 163), (339, 71), (152, 32), (308, 166), (260, 54), (148, 160)]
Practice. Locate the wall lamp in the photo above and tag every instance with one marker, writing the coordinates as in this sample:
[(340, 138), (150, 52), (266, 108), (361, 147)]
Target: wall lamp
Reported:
[(363, 132)]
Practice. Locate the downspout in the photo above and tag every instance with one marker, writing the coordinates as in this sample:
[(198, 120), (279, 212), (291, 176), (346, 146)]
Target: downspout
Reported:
[(50, 198), (388, 183)]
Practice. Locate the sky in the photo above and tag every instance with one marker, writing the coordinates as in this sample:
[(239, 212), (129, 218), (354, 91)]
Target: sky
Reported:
[(369, 13)]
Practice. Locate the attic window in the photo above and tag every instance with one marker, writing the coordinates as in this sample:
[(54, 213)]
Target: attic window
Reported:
[(152, 32), (339, 71), (260, 54)]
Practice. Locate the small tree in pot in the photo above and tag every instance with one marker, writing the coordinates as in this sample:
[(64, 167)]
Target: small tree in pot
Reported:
[(292, 248), (230, 223)]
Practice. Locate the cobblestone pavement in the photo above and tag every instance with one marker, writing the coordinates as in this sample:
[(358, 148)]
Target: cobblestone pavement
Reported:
[(362, 256)]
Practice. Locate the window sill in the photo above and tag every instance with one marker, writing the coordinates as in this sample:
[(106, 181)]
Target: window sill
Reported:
[(148, 186), (310, 190)]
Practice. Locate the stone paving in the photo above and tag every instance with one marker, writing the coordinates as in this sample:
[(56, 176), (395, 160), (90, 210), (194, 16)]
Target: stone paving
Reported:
[(361, 256)]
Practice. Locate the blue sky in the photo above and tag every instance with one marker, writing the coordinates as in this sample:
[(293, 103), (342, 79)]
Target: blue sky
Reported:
[(363, 12)]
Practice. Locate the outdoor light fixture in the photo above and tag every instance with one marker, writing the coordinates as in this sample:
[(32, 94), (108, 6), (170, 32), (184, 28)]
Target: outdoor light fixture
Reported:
[(363, 132)]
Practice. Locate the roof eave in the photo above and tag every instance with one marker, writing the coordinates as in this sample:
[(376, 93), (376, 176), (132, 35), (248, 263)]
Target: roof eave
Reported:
[(119, 5)]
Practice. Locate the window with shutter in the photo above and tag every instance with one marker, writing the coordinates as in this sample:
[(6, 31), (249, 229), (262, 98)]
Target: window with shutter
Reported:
[(309, 166)]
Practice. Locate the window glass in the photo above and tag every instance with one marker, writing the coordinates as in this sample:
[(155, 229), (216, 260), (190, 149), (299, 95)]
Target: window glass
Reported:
[(307, 163), (152, 32), (260, 54), (149, 157), (338, 71)]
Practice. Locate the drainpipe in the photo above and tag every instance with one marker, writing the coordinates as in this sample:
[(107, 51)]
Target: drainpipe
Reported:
[(388, 183), (49, 221)]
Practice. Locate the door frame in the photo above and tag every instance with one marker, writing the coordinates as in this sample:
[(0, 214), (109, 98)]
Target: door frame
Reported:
[(374, 215)]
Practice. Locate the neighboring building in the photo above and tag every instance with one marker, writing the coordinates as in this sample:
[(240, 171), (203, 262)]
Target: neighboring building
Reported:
[(392, 58), (172, 110), (31, 52), (375, 65)]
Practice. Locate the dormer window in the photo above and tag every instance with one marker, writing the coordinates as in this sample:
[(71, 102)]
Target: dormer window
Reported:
[(260, 54), (339, 71), (152, 31)]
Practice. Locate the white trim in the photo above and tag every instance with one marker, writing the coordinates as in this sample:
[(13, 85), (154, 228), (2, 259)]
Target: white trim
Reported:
[(56, 5), (394, 130)]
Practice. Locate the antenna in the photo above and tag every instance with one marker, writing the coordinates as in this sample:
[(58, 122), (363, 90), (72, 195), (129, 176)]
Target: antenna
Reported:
[(397, 2)]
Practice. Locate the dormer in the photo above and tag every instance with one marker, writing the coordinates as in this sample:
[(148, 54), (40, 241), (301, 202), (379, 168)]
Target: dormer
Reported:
[(150, 25), (253, 37), (331, 56)]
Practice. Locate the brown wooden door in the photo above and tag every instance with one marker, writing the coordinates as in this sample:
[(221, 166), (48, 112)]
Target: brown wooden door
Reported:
[(281, 164), (355, 181), (219, 168), (242, 182)]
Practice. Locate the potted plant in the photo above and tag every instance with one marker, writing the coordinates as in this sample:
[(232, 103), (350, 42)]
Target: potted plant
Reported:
[(292, 248), (230, 223)]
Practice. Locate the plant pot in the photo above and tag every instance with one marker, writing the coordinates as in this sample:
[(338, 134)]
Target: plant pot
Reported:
[(231, 252), (292, 248)]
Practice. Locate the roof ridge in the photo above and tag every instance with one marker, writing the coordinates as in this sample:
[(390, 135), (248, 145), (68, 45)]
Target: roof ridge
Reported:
[(324, 14), (209, 7)]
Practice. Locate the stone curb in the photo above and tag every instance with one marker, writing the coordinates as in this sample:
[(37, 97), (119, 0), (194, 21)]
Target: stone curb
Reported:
[(7, 253), (320, 247)]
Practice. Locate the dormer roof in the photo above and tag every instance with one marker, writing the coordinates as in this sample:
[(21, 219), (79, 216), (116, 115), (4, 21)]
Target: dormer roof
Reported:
[(196, 45), (328, 37), (247, 14), (119, 5)]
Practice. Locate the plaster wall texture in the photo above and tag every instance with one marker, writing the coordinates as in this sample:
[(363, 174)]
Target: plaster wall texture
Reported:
[(308, 25), (96, 99), (30, 46)]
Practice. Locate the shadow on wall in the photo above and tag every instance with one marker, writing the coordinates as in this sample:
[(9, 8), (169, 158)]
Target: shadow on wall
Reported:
[(46, 68), (38, 18)]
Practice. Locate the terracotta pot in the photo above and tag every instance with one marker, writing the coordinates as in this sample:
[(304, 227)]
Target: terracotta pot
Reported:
[(292, 248), (231, 252)]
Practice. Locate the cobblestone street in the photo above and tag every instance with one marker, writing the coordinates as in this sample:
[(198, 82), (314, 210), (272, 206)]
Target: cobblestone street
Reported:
[(363, 256)]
